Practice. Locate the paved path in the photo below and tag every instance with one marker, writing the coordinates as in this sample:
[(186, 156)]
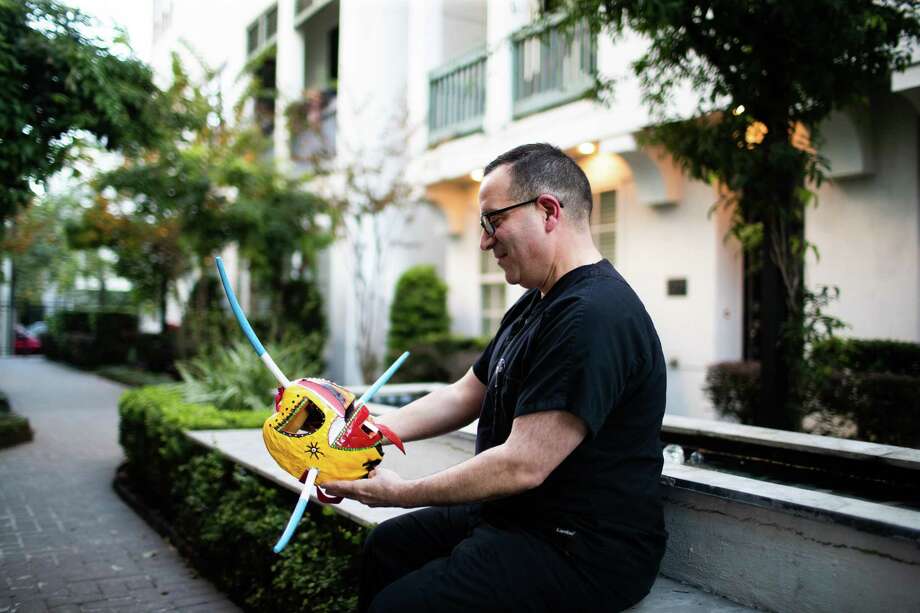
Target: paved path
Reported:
[(67, 542)]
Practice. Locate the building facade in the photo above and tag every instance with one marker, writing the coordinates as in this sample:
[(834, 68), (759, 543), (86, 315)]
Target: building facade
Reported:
[(461, 81)]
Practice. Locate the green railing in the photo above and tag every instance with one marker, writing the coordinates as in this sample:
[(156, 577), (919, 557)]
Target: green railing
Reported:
[(552, 66), (457, 97)]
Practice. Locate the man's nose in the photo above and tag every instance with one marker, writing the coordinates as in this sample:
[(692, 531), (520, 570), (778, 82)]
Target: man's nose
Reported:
[(486, 242)]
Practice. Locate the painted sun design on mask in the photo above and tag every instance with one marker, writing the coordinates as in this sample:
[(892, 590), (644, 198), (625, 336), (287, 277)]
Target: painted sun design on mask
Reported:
[(314, 450)]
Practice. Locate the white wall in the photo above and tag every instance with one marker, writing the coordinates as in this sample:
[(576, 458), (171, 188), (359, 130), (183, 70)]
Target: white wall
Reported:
[(216, 33), (867, 230), (373, 66), (656, 243), (464, 27)]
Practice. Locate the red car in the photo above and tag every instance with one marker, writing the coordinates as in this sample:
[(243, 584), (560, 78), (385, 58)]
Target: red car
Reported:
[(25, 343)]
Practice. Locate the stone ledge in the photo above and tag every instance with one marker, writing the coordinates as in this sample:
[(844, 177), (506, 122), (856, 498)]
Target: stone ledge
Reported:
[(902, 457), (245, 448)]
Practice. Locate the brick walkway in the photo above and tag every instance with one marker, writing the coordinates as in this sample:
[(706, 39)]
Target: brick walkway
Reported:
[(67, 542)]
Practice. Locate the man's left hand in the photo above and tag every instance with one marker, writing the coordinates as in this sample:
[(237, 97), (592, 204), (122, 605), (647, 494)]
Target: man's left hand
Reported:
[(382, 488)]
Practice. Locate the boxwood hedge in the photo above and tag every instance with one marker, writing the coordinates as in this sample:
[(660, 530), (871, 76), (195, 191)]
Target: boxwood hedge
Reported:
[(14, 429), (229, 517)]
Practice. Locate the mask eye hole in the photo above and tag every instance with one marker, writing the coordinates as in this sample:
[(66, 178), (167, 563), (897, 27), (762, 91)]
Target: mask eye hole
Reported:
[(314, 420)]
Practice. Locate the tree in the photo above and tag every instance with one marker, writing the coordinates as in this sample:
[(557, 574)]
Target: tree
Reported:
[(41, 257), (418, 311), (364, 181), (58, 83), (205, 184), (148, 249), (767, 72)]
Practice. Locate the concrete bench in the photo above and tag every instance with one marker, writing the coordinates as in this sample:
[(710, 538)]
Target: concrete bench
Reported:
[(245, 448)]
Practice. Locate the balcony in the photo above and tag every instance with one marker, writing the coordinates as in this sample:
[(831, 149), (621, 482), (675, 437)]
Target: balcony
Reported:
[(552, 66), (457, 98)]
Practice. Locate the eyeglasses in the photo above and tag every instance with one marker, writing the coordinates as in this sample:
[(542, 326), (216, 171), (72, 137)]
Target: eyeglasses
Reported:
[(485, 219)]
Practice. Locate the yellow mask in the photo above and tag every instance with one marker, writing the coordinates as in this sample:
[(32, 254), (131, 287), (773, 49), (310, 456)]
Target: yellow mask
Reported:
[(315, 425)]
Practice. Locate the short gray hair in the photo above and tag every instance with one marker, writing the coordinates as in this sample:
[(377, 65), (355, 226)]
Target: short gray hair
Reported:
[(541, 168)]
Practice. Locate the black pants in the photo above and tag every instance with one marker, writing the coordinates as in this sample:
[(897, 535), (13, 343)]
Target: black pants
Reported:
[(445, 559)]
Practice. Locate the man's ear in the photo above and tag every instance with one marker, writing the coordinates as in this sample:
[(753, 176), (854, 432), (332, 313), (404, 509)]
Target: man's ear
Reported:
[(552, 211)]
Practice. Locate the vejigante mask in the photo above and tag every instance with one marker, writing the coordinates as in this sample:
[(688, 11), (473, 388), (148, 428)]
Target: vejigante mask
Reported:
[(317, 425), (318, 432)]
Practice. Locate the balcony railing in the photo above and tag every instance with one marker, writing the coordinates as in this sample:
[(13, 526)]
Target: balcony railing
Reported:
[(552, 66), (457, 97)]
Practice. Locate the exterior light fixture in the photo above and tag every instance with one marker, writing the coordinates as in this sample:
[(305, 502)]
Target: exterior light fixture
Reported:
[(476, 175), (587, 148)]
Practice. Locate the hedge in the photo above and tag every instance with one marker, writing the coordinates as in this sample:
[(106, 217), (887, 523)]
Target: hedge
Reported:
[(873, 384), (229, 517), (440, 359), (134, 377), (88, 339), (418, 311), (734, 388), (14, 429), (869, 355), (885, 407)]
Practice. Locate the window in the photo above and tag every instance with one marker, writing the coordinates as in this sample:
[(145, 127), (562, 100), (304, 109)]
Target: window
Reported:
[(332, 56), (551, 6), (252, 38), (491, 293), (603, 224), (265, 100), (261, 32), (271, 22)]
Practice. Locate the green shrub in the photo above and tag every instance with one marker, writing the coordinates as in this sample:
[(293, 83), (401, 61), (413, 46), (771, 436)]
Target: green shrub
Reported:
[(158, 352), (419, 310), (859, 355), (884, 407), (302, 308), (134, 377), (89, 339), (14, 429), (230, 517), (440, 359), (234, 378), (873, 385), (733, 388), (74, 321), (113, 336), (152, 420)]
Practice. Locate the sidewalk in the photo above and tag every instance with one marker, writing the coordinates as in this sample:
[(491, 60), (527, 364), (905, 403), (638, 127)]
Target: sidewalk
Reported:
[(67, 542)]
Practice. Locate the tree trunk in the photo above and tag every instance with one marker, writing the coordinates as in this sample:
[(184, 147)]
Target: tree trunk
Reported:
[(164, 287), (780, 328)]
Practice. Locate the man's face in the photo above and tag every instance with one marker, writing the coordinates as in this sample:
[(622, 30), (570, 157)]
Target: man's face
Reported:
[(517, 243)]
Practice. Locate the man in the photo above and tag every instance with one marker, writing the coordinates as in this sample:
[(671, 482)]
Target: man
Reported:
[(559, 510)]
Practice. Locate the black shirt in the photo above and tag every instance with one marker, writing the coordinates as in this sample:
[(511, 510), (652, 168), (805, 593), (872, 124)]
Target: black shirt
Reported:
[(588, 347)]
